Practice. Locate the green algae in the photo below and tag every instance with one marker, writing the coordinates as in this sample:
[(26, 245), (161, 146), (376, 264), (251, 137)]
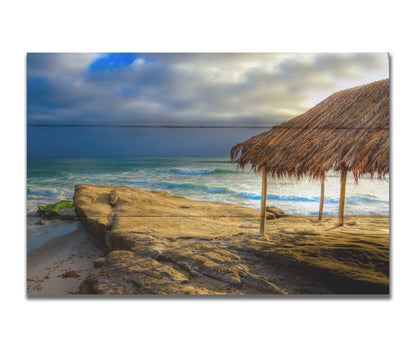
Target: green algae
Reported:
[(51, 210)]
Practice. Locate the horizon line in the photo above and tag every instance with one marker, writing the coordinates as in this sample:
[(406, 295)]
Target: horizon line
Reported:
[(147, 126)]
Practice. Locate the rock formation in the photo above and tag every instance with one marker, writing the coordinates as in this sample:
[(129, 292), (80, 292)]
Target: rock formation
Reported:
[(277, 212), (158, 243)]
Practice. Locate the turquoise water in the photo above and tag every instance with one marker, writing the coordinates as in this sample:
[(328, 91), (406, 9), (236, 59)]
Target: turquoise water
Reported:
[(211, 179)]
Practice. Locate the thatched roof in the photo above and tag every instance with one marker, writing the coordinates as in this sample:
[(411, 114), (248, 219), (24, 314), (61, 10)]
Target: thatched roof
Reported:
[(349, 129)]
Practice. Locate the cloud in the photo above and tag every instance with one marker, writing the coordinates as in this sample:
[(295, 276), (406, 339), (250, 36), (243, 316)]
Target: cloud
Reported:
[(58, 64), (232, 89)]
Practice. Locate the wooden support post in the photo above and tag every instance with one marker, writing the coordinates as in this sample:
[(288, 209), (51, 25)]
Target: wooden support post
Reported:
[(342, 197), (263, 199), (321, 203)]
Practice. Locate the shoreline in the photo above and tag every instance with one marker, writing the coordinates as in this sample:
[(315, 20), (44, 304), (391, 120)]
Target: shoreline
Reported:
[(73, 251), (295, 246), (203, 179)]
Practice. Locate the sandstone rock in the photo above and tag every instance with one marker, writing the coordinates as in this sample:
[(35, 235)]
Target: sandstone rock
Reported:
[(67, 214), (99, 262), (155, 246), (128, 273), (113, 197), (63, 209), (275, 211), (270, 215)]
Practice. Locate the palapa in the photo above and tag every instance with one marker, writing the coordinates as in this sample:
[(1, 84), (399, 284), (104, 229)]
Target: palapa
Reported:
[(346, 132)]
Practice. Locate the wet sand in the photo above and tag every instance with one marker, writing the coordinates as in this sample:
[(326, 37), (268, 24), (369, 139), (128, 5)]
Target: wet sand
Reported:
[(45, 265)]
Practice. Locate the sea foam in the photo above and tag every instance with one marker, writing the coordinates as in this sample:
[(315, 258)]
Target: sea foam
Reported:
[(183, 171), (51, 180)]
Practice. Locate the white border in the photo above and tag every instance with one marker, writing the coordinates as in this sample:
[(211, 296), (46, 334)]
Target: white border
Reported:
[(233, 26)]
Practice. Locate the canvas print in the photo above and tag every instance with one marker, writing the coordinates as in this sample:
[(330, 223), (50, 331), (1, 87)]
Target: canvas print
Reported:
[(203, 174)]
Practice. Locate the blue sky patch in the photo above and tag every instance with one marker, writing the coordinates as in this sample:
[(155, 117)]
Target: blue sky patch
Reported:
[(113, 61)]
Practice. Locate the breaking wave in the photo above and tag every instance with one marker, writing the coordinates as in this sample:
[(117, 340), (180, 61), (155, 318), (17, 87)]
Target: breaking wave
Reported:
[(353, 200), (181, 171)]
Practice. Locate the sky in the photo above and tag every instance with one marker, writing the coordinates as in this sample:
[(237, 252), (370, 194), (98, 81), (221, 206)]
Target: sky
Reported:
[(237, 89)]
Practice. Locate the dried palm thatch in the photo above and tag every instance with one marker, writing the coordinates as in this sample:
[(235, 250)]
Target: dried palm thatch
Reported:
[(348, 131)]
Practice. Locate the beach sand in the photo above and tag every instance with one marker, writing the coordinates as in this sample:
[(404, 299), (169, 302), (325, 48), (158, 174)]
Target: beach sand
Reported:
[(71, 252)]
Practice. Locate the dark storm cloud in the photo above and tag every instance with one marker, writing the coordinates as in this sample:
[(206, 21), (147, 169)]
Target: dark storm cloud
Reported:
[(233, 89)]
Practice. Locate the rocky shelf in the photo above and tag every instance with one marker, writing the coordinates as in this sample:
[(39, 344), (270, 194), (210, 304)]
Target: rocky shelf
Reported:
[(158, 243)]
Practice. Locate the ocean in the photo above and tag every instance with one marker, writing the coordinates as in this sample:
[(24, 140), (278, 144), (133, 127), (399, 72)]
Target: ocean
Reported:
[(189, 162), (210, 179)]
